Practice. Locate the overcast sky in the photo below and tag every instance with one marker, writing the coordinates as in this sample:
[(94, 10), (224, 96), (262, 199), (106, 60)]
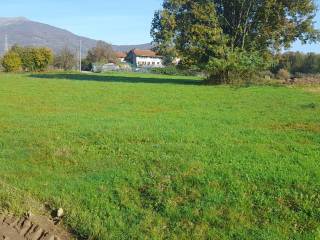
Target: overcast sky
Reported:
[(114, 21)]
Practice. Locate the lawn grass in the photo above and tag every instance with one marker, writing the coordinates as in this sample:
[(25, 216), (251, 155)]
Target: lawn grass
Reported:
[(137, 156)]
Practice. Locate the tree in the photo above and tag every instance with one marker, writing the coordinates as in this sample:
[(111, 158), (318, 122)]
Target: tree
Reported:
[(224, 37), (11, 62), (42, 58), (102, 53), (65, 60)]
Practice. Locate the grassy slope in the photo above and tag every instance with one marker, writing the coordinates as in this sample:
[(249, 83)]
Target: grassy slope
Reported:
[(143, 156)]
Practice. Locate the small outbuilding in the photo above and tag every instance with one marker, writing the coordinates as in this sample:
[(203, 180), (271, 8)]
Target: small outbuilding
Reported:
[(121, 56)]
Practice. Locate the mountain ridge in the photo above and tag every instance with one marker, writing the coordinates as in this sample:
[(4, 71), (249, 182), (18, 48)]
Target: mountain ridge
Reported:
[(25, 32)]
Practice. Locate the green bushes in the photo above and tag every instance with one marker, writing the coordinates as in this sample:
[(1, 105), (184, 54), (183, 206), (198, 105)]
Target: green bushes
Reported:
[(173, 70), (11, 62), (28, 59)]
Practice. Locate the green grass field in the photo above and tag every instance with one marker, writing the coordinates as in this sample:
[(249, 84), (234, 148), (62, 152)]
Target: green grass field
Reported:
[(134, 156)]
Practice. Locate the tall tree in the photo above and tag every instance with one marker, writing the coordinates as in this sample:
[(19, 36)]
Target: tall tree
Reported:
[(102, 53), (65, 60), (221, 36)]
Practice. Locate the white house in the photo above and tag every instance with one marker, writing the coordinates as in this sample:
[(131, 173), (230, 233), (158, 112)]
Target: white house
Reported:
[(145, 58)]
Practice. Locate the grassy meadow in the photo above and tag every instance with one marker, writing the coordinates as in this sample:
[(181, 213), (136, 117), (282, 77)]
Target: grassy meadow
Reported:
[(138, 156)]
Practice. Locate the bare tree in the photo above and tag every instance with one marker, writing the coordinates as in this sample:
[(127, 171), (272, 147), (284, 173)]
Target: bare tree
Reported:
[(65, 60), (102, 53)]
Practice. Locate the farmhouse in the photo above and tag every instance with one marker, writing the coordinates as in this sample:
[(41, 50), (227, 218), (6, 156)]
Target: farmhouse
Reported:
[(144, 58), (121, 56)]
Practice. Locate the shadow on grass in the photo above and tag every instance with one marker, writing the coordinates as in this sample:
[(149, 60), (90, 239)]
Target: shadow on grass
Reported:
[(116, 79)]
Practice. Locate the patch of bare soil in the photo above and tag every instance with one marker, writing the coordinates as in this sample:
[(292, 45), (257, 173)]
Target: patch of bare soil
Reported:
[(30, 228)]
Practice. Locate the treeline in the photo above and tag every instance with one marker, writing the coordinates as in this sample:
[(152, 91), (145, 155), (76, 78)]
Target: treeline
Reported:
[(297, 62), (38, 59)]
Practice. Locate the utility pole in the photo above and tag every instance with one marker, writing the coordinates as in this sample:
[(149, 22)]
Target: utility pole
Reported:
[(6, 45), (80, 56)]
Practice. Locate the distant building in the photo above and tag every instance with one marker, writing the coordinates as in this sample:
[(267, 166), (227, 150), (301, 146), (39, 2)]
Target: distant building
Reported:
[(144, 58), (121, 56)]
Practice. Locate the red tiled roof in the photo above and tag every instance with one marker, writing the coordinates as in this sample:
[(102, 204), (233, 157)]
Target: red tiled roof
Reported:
[(121, 54), (144, 53)]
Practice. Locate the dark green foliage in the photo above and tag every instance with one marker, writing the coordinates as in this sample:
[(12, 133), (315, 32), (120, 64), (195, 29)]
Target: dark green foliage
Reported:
[(11, 62), (86, 65), (237, 66), (173, 70)]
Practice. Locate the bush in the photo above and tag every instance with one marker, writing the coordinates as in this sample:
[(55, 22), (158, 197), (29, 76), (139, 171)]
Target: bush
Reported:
[(173, 71), (237, 66), (86, 65), (11, 62), (34, 59), (283, 74)]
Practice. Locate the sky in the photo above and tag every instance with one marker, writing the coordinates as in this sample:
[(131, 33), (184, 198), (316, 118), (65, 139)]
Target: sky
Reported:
[(114, 21)]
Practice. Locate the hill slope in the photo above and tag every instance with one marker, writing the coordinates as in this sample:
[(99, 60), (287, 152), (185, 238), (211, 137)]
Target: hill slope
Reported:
[(29, 33)]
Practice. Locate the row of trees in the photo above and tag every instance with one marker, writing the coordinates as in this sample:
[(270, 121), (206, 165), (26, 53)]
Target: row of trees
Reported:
[(228, 39), (33, 59), (297, 62), (27, 59)]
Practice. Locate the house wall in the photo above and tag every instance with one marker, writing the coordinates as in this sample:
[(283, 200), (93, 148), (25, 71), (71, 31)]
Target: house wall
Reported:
[(148, 62)]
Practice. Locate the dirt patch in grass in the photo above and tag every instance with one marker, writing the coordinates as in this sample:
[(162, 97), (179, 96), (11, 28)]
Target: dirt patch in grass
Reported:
[(30, 228)]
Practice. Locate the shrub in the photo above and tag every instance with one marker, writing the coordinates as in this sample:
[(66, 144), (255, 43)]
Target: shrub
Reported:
[(173, 70), (283, 74), (86, 65), (34, 59), (11, 62), (237, 66)]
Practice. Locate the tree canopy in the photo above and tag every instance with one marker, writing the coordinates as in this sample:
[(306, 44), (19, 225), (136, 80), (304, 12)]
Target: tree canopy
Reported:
[(34, 59), (221, 36), (65, 60), (102, 53)]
